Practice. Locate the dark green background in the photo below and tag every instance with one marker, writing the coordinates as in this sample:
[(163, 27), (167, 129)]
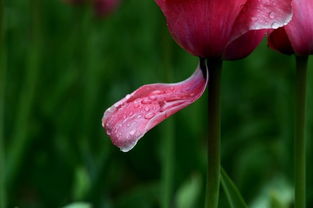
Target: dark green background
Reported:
[(65, 67)]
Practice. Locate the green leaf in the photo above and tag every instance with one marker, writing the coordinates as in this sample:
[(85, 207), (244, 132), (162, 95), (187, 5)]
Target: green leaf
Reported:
[(233, 195)]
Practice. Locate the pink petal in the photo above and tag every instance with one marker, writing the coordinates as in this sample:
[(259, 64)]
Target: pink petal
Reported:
[(129, 119), (244, 45), (262, 14), (300, 29), (279, 40), (202, 27)]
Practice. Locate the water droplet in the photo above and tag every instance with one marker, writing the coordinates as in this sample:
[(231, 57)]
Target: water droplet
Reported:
[(275, 25), (192, 94), (146, 101), (157, 92), (128, 96), (272, 15), (149, 115), (139, 116), (108, 133), (116, 105), (131, 113), (153, 97), (147, 109), (132, 132)]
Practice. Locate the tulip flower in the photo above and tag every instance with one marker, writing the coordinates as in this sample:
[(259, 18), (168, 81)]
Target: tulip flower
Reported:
[(297, 38), (213, 30)]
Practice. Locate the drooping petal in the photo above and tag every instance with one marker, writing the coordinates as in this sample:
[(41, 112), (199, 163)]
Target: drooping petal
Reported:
[(262, 14), (130, 118), (202, 27), (244, 45), (300, 29), (279, 40)]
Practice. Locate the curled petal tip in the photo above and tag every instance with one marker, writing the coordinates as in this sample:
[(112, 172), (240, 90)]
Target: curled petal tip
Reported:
[(130, 118)]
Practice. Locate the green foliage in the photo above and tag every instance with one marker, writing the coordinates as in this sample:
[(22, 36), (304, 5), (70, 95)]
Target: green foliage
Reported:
[(65, 67), (234, 197)]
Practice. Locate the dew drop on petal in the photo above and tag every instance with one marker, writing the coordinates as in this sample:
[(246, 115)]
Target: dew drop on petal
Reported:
[(157, 92), (146, 101), (147, 109), (149, 115), (275, 25), (132, 132), (153, 97)]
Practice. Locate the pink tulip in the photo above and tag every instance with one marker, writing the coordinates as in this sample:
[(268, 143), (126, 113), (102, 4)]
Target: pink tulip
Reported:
[(212, 29), (297, 36), (222, 28)]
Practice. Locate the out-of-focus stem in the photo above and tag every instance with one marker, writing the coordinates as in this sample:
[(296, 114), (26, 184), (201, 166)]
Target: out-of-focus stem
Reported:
[(300, 126), (20, 138), (168, 135), (2, 103), (214, 133)]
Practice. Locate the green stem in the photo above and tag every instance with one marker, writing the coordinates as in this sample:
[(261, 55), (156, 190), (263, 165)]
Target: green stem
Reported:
[(299, 140), (20, 139), (2, 98), (168, 135), (214, 133), (168, 163)]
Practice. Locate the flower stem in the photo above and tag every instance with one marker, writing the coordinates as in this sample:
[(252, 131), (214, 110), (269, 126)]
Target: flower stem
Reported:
[(214, 133), (299, 139), (2, 98), (168, 132)]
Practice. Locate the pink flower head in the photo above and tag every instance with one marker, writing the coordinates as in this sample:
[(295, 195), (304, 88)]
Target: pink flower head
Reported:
[(228, 29), (297, 36), (211, 29)]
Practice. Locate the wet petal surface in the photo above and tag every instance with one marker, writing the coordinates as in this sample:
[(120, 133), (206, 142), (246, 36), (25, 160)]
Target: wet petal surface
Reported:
[(130, 118)]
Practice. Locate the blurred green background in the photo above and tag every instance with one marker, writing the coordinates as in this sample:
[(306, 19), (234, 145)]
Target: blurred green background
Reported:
[(65, 66)]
